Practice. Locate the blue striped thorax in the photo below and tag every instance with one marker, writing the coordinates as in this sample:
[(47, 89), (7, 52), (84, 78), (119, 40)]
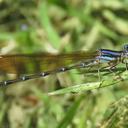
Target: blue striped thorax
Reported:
[(106, 55)]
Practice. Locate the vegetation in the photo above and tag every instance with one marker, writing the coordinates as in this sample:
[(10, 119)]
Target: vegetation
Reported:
[(74, 99)]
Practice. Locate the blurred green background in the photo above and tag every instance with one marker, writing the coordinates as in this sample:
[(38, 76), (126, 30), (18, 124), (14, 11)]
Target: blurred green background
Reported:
[(31, 26)]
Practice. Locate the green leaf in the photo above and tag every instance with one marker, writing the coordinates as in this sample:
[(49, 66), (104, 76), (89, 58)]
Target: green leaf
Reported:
[(70, 114)]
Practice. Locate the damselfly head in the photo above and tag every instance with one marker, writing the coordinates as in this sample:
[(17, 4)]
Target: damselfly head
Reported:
[(125, 48), (125, 54)]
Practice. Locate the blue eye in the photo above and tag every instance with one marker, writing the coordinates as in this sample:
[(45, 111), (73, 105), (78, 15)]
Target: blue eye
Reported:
[(126, 47)]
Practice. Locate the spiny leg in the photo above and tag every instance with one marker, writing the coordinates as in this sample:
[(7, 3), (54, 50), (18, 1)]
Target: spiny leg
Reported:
[(127, 66), (90, 66), (97, 62), (112, 65), (124, 61)]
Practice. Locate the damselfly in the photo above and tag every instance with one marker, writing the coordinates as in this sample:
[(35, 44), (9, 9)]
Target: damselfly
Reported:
[(31, 66)]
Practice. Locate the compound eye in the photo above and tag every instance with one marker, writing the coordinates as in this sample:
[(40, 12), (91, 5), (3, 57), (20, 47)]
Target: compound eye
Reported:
[(126, 47)]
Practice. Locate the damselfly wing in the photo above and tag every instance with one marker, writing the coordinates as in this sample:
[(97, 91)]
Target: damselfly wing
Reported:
[(34, 63)]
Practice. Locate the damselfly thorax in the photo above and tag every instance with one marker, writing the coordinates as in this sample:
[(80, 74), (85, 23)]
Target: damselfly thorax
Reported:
[(31, 66)]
